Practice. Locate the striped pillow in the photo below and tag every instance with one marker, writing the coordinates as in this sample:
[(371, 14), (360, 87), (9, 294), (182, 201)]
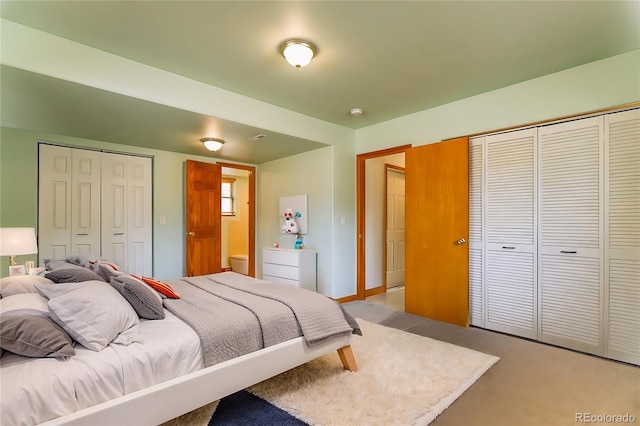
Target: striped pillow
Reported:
[(159, 286)]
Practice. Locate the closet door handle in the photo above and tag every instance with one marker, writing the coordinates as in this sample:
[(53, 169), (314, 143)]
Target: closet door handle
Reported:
[(509, 247), (568, 252)]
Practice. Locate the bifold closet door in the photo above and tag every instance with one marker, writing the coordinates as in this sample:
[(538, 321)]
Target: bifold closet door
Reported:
[(476, 299), (68, 202), (571, 225), (510, 273), (126, 212), (622, 251)]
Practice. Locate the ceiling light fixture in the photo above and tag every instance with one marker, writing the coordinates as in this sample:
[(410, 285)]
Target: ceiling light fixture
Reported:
[(212, 144), (298, 52)]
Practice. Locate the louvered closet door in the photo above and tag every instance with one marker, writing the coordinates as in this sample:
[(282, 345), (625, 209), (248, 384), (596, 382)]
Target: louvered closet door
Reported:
[(510, 273), (622, 234), (475, 232), (570, 216)]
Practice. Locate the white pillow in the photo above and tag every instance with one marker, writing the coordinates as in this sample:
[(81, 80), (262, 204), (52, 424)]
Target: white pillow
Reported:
[(24, 304), (93, 313), (19, 284)]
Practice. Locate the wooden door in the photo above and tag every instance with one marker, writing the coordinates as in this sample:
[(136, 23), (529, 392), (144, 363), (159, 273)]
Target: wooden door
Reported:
[(203, 219), (437, 229)]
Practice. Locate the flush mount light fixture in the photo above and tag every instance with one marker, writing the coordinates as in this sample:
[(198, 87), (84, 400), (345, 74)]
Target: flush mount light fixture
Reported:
[(212, 144), (298, 52)]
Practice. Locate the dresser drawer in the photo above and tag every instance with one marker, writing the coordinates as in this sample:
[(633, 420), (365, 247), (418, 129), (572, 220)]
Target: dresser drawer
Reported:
[(281, 257), (282, 271), (280, 280)]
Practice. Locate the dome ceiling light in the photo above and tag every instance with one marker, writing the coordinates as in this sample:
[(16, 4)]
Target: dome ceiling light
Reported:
[(212, 144), (298, 52)]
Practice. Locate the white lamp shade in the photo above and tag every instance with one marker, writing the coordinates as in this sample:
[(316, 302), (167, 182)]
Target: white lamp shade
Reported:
[(212, 144), (298, 52), (18, 241)]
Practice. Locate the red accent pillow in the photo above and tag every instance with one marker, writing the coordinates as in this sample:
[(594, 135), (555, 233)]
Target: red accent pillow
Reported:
[(159, 286)]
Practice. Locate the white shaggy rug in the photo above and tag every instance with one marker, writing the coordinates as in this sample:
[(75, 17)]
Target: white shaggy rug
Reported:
[(403, 379)]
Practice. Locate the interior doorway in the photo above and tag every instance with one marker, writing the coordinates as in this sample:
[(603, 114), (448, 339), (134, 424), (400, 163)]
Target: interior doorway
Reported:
[(371, 216), (238, 216), (395, 225)]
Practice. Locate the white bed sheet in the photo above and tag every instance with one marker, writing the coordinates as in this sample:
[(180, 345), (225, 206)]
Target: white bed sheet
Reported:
[(35, 390)]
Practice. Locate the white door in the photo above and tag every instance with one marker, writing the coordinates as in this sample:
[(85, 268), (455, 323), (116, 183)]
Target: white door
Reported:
[(570, 222), (395, 227), (85, 202), (140, 216), (476, 293), (114, 210), (54, 202), (622, 236), (511, 286), (69, 202), (126, 212)]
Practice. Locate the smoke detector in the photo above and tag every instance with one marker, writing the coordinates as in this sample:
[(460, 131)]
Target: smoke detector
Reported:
[(356, 112)]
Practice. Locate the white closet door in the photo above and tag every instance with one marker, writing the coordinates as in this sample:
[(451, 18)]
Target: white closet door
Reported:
[(475, 232), (114, 209), (85, 202), (139, 247), (54, 202), (126, 212), (622, 234), (571, 227), (511, 292)]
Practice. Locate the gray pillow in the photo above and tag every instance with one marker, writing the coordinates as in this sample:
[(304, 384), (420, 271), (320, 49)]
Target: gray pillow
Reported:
[(53, 265), (104, 271), (35, 336), (73, 275), (93, 313), (145, 301)]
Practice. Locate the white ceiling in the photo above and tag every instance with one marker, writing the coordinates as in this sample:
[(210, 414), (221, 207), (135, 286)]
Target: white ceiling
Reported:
[(390, 58)]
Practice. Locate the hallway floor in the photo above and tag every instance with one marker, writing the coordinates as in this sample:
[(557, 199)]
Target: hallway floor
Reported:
[(393, 298)]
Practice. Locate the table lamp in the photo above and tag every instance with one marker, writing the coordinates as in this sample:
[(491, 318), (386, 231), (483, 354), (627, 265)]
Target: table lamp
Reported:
[(17, 241)]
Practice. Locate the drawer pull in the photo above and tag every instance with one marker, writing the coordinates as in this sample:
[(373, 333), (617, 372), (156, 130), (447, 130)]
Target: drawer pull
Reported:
[(568, 252), (509, 247)]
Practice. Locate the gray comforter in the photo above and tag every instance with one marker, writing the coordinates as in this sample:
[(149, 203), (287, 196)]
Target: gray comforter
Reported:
[(234, 315)]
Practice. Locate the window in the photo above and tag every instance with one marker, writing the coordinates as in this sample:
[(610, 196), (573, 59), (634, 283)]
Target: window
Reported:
[(228, 196)]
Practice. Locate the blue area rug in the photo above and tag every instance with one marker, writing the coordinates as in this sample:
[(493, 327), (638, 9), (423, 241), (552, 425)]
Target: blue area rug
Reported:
[(245, 409)]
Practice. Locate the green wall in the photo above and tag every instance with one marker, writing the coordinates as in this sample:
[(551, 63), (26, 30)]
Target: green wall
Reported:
[(327, 175), (19, 186)]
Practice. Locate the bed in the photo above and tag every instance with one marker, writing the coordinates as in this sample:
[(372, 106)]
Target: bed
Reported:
[(157, 368)]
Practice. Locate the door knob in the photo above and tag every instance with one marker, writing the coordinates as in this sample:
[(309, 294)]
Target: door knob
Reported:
[(461, 241), (191, 234)]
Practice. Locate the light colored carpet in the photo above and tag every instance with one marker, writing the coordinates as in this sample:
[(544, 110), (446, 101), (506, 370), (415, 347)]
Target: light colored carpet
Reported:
[(403, 379)]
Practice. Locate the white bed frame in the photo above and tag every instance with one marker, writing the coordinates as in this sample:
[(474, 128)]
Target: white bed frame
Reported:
[(165, 401)]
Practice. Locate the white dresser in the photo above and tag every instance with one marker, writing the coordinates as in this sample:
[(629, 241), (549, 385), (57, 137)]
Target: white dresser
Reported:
[(289, 266)]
